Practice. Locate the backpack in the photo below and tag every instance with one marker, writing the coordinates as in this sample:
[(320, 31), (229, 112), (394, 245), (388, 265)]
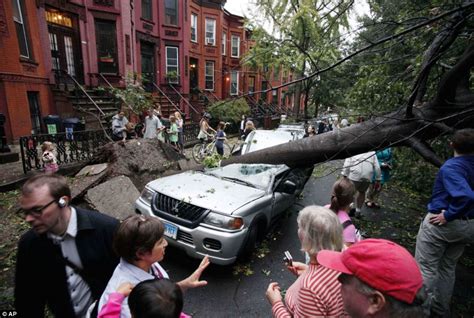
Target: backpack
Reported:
[(359, 235)]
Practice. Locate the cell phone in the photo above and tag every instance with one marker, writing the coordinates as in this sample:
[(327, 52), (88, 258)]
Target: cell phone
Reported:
[(288, 259)]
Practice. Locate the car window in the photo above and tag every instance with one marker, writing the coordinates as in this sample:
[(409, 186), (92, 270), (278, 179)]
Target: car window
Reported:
[(260, 175)]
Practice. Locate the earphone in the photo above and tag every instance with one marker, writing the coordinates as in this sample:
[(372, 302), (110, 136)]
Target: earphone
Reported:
[(62, 203)]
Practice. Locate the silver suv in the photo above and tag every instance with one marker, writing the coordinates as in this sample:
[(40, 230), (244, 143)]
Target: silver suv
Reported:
[(222, 212)]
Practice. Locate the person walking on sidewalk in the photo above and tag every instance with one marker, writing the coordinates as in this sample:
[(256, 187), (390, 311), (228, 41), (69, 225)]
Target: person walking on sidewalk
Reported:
[(449, 224), (361, 169)]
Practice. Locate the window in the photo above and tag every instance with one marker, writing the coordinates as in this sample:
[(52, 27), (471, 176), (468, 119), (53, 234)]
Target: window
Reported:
[(35, 114), (194, 27), (172, 70), (68, 49), (274, 97), (251, 85), (276, 72), (20, 29), (235, 46), (171, 12), (210, 32), (234, 83), (147, 10), (106, 42), (209, 75), (224, 43)]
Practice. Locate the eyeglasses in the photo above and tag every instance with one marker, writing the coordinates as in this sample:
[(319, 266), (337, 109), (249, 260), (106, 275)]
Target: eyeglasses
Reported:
[(37, 211)]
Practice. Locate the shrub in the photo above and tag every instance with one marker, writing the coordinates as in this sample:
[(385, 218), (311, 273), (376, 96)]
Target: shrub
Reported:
[(230, 110)]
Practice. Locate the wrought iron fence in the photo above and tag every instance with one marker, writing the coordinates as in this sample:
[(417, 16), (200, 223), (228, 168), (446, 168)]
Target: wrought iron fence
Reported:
[(70, 147)]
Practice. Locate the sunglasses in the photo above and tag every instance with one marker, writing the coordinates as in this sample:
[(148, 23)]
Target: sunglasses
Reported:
[(37, 211)]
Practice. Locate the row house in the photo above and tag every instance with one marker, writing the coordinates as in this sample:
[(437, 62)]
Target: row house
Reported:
[(48, 48)]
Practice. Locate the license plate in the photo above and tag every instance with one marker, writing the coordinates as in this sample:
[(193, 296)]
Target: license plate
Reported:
[(171, 230)]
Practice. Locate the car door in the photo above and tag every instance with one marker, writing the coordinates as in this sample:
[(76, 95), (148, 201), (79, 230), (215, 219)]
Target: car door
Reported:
[(281, 200)]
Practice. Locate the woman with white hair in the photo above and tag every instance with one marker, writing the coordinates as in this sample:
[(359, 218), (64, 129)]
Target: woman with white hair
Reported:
[(316, 292)]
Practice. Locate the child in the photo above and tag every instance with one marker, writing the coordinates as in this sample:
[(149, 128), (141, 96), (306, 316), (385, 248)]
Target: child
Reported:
[(220, 137), (49, 159), (150, 298), (173, 132)]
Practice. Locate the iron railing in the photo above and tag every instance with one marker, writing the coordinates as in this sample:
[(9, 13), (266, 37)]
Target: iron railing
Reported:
[(70, 147)]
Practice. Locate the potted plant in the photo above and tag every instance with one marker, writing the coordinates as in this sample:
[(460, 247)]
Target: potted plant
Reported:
[(172, 77), (107, 58)]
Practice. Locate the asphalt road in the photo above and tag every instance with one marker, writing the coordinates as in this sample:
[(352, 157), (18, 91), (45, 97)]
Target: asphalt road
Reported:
[(231, 294)]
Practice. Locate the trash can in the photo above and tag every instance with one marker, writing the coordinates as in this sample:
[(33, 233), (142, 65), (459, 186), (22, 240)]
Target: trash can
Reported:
[(52, 124), (71, 125)]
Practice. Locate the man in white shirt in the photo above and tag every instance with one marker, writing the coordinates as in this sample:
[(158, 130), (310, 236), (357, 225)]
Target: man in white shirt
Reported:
[(361, 170), (152, 126)]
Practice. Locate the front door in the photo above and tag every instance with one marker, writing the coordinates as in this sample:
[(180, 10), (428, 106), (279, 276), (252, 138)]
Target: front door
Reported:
[(64, 44), (193, 73), (148, 65)]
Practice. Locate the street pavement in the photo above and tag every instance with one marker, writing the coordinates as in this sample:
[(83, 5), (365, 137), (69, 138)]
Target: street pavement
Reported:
[(230, 294)]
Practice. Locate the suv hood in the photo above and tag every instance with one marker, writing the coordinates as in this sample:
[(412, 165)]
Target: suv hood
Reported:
[(206, 191)]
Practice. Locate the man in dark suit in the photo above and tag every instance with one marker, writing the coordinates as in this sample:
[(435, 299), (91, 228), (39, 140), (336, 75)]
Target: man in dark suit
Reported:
[(66, 259)]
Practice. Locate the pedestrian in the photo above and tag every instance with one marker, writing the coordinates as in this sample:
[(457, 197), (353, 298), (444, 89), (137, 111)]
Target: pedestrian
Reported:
[(150, 298), (49, 159), (379, 279), (310, 131), (119, 126), (180, 123), (384, 157), (322, 127), (341, 198), (220, 138), (66, 259), (161, 127), (316, 292), (152, 126), (361, 169), (140, 243), (242, 124), (204, 128), (249, 127), (449, 225), (173, 132)]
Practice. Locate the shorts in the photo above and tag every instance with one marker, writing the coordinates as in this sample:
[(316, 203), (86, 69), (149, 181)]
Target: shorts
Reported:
[(362, 185)]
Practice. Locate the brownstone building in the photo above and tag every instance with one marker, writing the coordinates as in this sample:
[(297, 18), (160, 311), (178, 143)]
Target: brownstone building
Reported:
[(52, 49)]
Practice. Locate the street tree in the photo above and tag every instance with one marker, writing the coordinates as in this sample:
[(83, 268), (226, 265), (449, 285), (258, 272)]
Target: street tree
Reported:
[(408, 102)]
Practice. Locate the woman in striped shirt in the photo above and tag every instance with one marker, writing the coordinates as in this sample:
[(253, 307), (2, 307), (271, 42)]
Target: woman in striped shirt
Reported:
[(316, 292)]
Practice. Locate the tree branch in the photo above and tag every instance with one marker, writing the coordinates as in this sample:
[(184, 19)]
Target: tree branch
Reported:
[(424, 150)]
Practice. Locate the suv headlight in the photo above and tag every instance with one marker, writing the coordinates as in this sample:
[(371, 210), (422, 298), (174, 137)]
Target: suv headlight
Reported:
[(224, 221), (147, 195)]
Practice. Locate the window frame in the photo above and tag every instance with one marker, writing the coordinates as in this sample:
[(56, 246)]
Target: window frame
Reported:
[(224, 44), (206, 75), (23, 37), (232, 73), (232, 37), (167, 65), (149, 16), (176, 14), (206, 41), (194, 20)]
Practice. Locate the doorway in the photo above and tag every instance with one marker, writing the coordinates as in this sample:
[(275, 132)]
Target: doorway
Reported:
[(147, 51), (64, 44), (193, 73)]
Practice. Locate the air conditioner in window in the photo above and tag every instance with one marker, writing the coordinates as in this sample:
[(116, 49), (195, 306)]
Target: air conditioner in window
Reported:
[(209, 41)]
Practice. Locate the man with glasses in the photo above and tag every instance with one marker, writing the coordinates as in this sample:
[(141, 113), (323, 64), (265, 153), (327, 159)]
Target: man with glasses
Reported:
[(379, 278), (66, 259)]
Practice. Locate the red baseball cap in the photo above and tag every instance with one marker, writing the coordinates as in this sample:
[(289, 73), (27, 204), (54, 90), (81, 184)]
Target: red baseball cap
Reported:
[(381, 264)]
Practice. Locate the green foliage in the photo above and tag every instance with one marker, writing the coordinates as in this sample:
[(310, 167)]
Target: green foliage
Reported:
[(413, 173), (133, 95), (212, 161), (230, 110)]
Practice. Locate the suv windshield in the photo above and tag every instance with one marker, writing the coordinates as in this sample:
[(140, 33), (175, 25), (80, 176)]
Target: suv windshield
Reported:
[(258, 175)]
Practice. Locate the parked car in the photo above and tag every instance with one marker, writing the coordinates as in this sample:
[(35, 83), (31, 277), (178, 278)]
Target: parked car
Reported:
[(222, 212), (261, 139), (298, 129)]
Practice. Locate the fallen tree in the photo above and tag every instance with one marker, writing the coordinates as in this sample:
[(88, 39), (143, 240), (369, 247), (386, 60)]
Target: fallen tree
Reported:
[(411, 125)]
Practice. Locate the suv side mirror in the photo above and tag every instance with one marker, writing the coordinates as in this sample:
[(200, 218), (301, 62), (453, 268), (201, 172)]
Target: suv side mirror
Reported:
[(288, 187)]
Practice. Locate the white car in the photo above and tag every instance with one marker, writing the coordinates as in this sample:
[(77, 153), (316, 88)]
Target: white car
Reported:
[(261, 139)]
